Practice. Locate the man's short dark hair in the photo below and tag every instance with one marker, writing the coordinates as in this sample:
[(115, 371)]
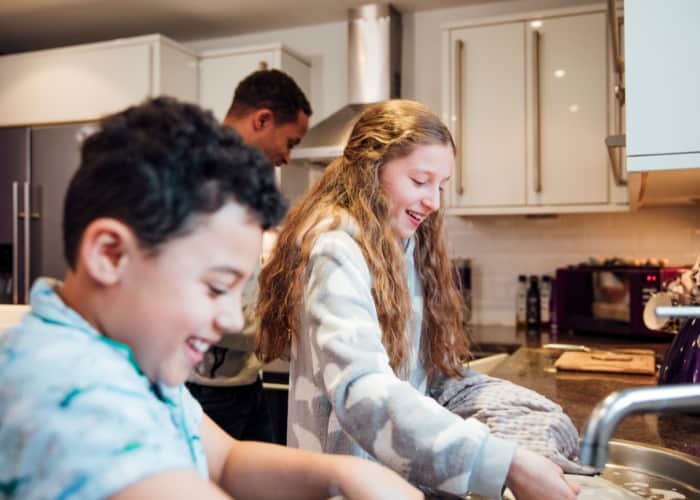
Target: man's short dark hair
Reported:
[(157, 166), (271, 89)]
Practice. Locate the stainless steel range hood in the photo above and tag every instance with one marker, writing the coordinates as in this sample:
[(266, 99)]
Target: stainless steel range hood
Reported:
[(374, 74)]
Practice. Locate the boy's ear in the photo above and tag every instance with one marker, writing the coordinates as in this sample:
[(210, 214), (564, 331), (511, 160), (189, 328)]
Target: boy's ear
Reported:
[(105, 249), (262, 118)]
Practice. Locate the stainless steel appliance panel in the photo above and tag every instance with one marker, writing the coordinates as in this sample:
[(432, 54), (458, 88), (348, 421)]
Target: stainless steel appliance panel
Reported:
[(14, 175), (55, 156)]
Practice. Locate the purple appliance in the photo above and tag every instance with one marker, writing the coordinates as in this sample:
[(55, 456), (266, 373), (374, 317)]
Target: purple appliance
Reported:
[(682, 362)]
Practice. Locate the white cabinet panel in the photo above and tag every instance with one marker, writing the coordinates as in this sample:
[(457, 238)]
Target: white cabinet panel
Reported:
[(85, 82), (72, 85), (489, 104), (572, 165), (177, 73), (662, 49), (220, 74), (220, 71)]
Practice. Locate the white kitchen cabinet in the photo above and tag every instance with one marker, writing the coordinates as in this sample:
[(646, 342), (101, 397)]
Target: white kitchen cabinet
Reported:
[(527, 100), (84, 82), (662, 48), (487, 85), (221, 70)]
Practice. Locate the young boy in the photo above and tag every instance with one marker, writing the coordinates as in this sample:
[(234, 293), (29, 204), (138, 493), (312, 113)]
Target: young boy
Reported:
[(162, 227)]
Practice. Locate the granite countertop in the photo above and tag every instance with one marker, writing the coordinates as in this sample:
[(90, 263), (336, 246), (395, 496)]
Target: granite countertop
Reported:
[(578, 393)]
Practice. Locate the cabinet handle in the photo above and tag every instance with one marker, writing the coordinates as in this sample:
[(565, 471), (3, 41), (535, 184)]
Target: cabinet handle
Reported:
[(459, 97), (538, 140), (15, 243), (613, 143), (27, 242), (618, 62)]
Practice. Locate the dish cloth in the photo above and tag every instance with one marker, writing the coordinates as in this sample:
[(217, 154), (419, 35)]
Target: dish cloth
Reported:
[(514, 413)]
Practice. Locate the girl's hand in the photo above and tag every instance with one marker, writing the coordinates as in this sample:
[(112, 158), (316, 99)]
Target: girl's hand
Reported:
[(533, 477)]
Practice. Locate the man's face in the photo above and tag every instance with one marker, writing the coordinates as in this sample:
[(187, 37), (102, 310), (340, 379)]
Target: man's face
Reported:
[(277, 140), (171, 307)]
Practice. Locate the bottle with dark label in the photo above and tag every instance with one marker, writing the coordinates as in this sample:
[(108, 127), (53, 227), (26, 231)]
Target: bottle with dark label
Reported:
[(553, 313), (533, 303), (545, 299), (521, 301)]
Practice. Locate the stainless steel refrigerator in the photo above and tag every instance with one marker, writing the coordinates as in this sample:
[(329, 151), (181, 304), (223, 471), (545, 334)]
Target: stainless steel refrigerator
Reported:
[(36, 165)]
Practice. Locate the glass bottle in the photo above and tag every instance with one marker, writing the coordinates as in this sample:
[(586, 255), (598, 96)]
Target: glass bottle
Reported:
[(533, 304), (545, 299), (521, 301)]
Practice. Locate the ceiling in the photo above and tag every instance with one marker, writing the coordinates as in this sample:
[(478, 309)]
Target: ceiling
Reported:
[(39, 24)]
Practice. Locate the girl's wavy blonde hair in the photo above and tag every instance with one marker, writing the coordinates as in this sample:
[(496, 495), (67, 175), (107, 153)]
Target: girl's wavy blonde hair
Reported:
[(350, 185)]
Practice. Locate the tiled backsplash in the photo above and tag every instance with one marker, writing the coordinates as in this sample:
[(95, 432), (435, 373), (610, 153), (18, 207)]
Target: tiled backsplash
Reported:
[(501, 247)]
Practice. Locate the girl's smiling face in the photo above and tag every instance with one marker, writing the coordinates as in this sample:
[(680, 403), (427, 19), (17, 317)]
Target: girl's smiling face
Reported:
[(413, 185)]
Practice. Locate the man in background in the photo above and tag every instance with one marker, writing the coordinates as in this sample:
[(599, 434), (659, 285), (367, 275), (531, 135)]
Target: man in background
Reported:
[(270, 112)]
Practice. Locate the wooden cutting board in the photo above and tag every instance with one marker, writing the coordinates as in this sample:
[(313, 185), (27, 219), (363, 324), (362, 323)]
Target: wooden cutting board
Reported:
[(602, 361)]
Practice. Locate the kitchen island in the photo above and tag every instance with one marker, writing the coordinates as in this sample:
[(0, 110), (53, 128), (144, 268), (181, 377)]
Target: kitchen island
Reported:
[(578, 392)]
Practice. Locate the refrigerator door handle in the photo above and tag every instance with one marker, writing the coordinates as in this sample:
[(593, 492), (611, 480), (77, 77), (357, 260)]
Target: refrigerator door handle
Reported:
[(15, 243), (27, 241)]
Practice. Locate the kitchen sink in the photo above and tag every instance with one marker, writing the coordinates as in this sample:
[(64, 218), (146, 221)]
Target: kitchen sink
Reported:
[(486, 357), (653, 472), (481, 349), (487, 363), (647, 471)]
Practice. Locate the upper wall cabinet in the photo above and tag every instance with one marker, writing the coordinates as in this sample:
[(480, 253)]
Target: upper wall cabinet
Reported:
[(662, 48), (527, 101), (85, 82), (220, 71)]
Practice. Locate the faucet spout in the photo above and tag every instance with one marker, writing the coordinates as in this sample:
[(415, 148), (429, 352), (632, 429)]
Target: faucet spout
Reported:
[(609, 412)]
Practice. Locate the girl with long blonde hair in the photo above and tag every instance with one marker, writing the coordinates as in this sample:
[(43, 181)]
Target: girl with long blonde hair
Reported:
[(359, 293)]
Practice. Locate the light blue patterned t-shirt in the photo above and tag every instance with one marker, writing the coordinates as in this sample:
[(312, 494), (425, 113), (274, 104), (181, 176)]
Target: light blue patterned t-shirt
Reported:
[(78, 419)]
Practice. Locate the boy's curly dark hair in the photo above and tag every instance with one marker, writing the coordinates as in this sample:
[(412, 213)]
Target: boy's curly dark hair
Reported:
[(156, 166), (272, 89)]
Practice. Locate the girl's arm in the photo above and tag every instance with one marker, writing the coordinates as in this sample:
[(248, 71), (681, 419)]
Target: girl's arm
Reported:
[(388, 417)]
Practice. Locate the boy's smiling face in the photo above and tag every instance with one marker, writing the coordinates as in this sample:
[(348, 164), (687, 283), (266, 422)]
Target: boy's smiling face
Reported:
[(172, 306)]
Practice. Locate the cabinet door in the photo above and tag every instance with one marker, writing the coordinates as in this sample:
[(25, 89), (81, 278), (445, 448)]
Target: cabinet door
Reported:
[(219, 76), (177, 75), (662, 49), (567, 71), (487, 110), (74, 84)]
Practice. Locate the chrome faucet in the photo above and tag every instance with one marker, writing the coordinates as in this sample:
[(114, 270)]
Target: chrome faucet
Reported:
[(610, 411)]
